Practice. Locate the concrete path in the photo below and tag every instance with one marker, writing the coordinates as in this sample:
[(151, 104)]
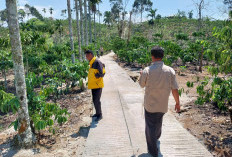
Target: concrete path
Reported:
[(121, 132)]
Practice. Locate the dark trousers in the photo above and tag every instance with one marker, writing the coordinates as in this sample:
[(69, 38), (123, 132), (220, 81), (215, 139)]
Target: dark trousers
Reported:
[(96, 94), (153, 130)]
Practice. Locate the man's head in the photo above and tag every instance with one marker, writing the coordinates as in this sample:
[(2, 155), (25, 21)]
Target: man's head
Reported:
[(89, 55), (157, 53)]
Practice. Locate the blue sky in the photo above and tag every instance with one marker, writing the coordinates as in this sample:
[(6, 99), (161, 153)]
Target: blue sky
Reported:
[(165, 7)]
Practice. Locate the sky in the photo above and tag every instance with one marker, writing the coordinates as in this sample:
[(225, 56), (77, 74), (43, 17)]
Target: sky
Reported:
[(165, 7)]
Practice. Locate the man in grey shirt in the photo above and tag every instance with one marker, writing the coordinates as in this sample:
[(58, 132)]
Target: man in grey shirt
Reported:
[(159, 81)]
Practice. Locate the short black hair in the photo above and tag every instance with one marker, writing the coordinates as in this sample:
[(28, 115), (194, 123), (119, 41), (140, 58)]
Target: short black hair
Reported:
[(157, 52), (89, 52)]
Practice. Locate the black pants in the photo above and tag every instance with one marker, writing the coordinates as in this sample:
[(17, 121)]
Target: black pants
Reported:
[(153, 130), (96, 94)]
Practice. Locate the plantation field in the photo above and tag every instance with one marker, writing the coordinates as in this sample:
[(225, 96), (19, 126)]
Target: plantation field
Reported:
[(44, 100)]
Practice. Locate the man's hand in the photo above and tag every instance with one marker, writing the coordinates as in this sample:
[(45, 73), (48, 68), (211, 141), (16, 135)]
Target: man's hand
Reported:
[(177, 108)]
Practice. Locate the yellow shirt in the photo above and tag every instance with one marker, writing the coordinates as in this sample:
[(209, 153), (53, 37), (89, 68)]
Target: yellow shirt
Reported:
[(96, 73)]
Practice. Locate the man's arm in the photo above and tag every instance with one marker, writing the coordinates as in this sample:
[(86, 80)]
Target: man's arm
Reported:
[(100, 69), (175, 93), (176, 97), (143, 78)]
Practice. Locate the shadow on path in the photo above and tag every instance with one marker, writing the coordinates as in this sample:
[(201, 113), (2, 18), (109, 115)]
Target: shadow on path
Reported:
[(84, 131)]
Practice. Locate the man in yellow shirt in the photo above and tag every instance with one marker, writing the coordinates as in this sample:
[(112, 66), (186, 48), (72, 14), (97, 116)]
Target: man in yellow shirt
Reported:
[(95, 81), (159, 81)]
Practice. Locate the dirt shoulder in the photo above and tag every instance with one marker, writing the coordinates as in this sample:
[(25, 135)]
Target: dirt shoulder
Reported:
[(69, 139)]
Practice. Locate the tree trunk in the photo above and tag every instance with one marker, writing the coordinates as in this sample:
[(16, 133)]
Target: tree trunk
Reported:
[(201, 60), (78, 30), (129, 30), (25, 136), (81, 22), (70, 30), (95, 28), (200, 6), (5, 80), (86, 23), (99, 32), (90, 23), (141, 16)]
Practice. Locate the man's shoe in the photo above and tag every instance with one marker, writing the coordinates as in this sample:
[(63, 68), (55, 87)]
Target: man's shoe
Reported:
[(99, 118)]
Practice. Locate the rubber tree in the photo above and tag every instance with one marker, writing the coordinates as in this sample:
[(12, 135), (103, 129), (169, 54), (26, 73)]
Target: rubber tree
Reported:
[(99, 18), (81, 24), (130, 25), (86, 23), (25, 137), (90, 21), (141, 6), (78, 29), (94, 10), (70, 30)]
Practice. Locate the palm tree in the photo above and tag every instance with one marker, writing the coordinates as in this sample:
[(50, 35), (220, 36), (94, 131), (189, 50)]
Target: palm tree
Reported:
[(51, 11), (70, 30), (25, 136), (152, 14), (107, 17), (78, 29), (63, 12), (44, 10), (86, 24)]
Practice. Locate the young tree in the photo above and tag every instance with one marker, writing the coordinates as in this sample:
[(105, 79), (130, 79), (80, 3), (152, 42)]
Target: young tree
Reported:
[(78, 30), (25, 136), (70, 30), (141, 6)]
